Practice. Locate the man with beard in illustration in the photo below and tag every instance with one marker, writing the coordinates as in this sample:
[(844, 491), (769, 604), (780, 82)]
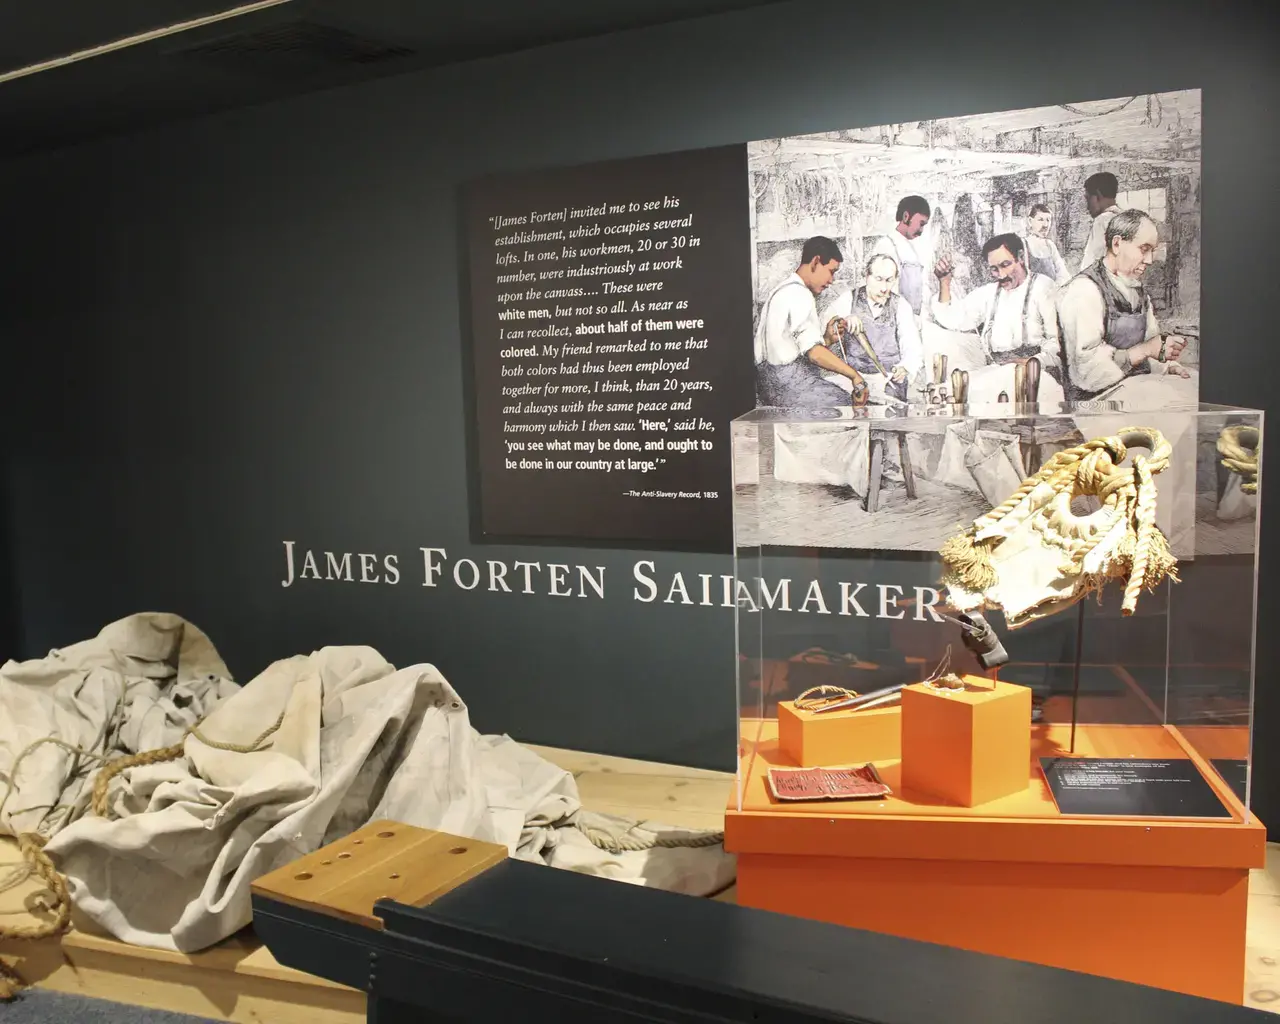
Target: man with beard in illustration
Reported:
[(880, 339), (1109, 327), (1013, 314), (792, 350), (875, 334)]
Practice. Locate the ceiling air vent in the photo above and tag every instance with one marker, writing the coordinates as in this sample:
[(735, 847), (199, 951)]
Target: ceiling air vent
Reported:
[(291, 49)]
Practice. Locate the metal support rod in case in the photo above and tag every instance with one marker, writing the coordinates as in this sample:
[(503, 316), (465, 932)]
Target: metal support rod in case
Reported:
[(1075, 672)]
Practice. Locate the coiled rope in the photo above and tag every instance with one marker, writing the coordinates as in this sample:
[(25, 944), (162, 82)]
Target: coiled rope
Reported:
[(163, 754), (629, 842), (1240, 447), (31, 844), (1092, 468)]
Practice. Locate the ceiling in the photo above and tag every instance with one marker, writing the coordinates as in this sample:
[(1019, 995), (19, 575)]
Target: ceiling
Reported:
[(255, 56)]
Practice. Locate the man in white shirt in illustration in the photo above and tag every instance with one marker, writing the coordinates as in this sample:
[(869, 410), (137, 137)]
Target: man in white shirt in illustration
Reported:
[(906, 244), (1014, 316), (1109, 327), (1100, 196), (797, 367), (874, 312), (792, 349)]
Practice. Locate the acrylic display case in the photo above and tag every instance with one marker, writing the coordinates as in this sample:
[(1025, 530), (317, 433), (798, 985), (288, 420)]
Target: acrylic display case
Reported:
[(1127, 703)]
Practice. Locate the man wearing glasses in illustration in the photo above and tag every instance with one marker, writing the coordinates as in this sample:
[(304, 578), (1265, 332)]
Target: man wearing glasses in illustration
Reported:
[(1014, 314), (1109, 328)]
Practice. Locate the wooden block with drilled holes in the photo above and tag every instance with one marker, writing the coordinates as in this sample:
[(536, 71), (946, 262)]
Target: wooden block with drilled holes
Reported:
[(382, 860)]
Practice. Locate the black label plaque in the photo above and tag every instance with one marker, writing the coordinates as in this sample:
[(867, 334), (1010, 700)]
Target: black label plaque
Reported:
[(1234, 772), (611, 335), (1131, 787)]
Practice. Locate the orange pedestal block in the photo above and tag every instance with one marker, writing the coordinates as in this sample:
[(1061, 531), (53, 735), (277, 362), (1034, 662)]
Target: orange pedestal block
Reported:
[(966, 748), (1155, 901), (839, 737)]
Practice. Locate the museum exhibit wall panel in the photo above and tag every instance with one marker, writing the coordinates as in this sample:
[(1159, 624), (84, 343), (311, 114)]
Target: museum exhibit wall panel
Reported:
[(247, 330)]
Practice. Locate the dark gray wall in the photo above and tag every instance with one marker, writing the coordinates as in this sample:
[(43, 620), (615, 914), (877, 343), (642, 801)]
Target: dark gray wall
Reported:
[(245, 329)]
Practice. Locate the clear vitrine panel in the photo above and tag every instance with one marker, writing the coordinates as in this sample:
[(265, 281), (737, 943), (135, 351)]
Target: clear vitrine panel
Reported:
[(1002, 610)]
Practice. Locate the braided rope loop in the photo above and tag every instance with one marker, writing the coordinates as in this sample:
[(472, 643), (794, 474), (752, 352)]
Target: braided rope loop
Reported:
[(1240, 447), (1089, 469)]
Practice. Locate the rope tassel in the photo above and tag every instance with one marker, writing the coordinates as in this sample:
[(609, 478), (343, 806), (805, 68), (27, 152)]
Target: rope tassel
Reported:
[(969, 561)]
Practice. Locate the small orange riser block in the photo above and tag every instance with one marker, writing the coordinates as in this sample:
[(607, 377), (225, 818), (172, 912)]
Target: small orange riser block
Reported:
[(839, 737), (969, 747)]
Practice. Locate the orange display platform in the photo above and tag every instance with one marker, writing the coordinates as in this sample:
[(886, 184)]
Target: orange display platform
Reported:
[(1155, 901)]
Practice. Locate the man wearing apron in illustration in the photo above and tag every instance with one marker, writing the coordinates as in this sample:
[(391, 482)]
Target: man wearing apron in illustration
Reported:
[(908, 249), (880, 340), (1014, 315), (1043, 256), (1108, 324), (791, 348)]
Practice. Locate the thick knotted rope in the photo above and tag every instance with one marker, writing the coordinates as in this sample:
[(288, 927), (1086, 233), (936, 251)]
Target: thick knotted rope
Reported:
[(31, 844), (32, 848), (11, 983), (35, 862), (1240, 447), (163, 754), (1092, 468)]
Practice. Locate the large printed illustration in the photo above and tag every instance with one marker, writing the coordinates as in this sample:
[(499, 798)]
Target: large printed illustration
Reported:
[(1032, 257)]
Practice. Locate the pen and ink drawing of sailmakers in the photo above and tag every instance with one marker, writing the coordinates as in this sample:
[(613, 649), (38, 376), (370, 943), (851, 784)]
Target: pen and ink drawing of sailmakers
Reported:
[(1031, 256)]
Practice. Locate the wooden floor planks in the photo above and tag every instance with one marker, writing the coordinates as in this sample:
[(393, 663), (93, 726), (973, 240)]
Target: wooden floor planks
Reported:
[(240, 981)]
